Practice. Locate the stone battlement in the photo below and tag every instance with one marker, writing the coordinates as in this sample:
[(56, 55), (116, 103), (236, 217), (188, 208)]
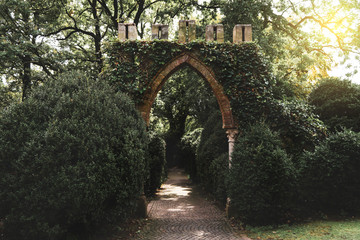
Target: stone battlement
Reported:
[(187, 32)]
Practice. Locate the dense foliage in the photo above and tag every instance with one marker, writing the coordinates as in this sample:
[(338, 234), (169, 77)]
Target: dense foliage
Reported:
[(262, 178), (337, 102), (71, 156), (299, 128), (157, 164), (331, 174), (209, 159)]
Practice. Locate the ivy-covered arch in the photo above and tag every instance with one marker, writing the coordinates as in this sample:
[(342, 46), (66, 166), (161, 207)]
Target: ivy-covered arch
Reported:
[(187, 59), (237, 73)]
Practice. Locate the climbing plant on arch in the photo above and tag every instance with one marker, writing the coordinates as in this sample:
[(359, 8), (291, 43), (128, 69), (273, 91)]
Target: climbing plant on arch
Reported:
[(237, 74)]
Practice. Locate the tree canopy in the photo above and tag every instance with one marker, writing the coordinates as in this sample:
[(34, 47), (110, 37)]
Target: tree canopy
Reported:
[(300, 38)]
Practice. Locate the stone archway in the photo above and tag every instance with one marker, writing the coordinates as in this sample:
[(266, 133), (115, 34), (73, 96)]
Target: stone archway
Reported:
[(175, 64)]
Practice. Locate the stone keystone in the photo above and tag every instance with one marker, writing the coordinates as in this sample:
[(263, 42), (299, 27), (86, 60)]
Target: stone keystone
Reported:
[(187, 31), (214, 33), (242, 33), (127, 31), (159, 31)]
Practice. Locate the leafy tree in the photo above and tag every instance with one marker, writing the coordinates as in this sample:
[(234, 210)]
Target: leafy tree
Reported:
[(7, 96), (298, 37), (26, 56), (337, 102)]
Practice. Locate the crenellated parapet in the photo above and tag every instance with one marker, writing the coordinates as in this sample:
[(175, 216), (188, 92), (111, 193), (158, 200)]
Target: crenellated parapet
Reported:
[(187, 32)]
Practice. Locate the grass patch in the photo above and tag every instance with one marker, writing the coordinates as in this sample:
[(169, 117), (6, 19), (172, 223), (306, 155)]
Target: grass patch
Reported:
[(316, 230)]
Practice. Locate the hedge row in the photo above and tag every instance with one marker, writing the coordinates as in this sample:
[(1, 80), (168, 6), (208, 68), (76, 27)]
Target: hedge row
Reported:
[(268, 186), (72, 156)]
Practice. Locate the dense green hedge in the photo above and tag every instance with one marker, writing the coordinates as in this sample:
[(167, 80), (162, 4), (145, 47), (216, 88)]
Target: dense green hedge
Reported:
[(337, 102), (157, 164), (331, 175), (71, 156), (213, 144), (262, 178)]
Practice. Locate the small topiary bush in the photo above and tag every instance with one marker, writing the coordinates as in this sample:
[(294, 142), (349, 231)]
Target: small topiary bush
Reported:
[(262, 178), (331, 174), (72, 156), (157, 164)]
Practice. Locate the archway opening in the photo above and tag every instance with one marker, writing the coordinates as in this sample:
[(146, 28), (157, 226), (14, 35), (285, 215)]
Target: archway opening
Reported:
[(185, 113), (204, 71)]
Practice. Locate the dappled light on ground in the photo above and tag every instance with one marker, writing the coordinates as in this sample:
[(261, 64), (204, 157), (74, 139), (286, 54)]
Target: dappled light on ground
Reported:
[(181, 212)]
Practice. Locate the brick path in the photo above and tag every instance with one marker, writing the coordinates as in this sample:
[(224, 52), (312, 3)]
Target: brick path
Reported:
[(180, 212)]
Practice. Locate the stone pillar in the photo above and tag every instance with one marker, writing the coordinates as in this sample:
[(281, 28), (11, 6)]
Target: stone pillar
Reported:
[(214, 33), (242, 33), (159, 31), (187, 31), (127, 31), (232, 135)]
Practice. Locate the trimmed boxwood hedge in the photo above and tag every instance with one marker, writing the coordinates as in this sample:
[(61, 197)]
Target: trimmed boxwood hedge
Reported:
[(72, 156), (262, 178), (330, 175)]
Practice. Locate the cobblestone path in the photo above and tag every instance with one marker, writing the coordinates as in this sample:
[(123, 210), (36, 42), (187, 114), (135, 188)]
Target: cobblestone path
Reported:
[(180, 212)]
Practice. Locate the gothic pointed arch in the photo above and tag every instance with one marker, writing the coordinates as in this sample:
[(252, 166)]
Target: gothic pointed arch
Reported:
[(172, 66)]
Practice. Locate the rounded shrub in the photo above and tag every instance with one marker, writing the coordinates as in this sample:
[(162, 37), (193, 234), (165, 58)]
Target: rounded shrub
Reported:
[(157, 164), (72, 156), (331, 174), (261, 179), (337, 102)]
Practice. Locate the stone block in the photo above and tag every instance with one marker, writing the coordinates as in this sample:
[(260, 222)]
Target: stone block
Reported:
[(214, 33), (121, 31), (242, 33), (192, 30), (209, 33), (132, 32), (127, 31), (220, 33), (159, 31), (182, 31), (187, 31)]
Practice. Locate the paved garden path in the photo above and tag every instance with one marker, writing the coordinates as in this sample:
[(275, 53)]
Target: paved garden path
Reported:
[(180, 212)]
